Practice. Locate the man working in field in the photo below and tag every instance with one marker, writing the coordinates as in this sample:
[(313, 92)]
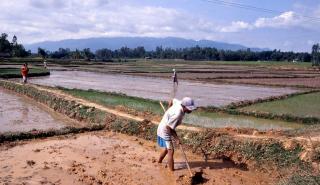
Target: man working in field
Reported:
[(166, 129), (24, 72), (175, 77)]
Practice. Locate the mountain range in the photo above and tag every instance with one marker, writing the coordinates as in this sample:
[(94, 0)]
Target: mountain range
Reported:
[(149, 43)]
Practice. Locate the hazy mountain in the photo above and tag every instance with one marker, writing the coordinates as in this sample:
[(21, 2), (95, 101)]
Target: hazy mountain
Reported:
[(149, 43)]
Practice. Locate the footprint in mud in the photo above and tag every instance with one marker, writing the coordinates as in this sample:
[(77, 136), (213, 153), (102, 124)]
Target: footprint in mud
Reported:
[(36, 150), (30, 163), (76, 168)]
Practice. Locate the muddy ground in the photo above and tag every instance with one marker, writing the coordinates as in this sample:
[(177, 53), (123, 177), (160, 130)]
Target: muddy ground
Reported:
[(109, 158), (19, 113)]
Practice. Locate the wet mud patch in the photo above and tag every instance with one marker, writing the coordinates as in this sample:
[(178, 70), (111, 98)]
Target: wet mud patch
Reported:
[(18, 113), (106, 158)]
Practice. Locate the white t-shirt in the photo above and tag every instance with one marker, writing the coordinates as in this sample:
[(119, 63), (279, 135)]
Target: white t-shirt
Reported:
[(172, 118)]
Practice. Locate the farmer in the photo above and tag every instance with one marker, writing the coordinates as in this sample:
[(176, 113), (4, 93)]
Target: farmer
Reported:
[(175, 77), (166, 129), (24, 72), (45, 63)]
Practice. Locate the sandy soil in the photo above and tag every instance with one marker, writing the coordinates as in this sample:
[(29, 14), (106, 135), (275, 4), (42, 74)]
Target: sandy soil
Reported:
[(109, 158)]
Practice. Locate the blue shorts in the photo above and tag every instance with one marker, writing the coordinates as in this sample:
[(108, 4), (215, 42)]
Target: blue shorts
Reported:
[(164, 143)]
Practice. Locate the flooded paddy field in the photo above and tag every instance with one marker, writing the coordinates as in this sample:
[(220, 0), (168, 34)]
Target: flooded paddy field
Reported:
[(18, 114), (222, 120), (205, 94), (199, 70)]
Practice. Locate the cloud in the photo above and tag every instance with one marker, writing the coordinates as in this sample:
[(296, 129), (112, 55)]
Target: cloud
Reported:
[(235, 27), (287, 19), (39, 20)]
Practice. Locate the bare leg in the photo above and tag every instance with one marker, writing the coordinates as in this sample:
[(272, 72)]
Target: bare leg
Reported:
[(162, 155), (170, 159)]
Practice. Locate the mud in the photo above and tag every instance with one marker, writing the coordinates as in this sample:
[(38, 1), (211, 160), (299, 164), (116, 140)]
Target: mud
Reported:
[(19, 113), (205, 94), (109, 158)]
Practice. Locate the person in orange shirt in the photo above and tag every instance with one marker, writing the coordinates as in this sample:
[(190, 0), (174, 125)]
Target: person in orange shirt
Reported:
[(24, 72)]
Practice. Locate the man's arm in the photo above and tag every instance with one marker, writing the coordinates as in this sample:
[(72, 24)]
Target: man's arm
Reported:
[(174, 134), (170, 103)]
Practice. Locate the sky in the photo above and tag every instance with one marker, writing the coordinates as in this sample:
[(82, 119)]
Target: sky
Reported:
[(292, 25)]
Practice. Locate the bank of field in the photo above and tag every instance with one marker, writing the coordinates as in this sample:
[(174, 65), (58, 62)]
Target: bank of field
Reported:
[(296, 82), (16, 72), (307, 105), (114, 100)]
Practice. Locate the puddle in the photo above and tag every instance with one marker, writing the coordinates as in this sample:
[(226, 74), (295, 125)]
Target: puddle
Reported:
[(221, 120), (21, 114), (158, 88)]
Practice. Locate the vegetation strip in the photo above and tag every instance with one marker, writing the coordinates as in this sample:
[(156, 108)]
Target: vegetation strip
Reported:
[(113, 100), (15, 72), (245, 103)]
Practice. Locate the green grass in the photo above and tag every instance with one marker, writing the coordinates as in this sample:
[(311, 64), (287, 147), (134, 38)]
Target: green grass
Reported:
[(307, 105), (15, 72), (113, 99)]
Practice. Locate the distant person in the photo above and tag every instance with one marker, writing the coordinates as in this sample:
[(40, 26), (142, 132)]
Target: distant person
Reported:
[(166, 129), (24, 72), (175, 83), (45, 63), (175, 77)]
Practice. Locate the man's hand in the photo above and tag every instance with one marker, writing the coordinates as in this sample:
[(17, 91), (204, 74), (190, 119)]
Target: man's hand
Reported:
[(177, 140)]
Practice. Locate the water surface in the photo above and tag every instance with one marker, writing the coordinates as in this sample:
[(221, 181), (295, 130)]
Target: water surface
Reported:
[(205, 94), (19, 113)]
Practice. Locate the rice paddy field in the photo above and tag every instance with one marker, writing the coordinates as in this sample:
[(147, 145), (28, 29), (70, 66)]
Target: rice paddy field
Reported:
[(306, 105), (14, 72), (124, 97)]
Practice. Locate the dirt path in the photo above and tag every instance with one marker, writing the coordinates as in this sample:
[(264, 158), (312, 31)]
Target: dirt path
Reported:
[(108, 158)]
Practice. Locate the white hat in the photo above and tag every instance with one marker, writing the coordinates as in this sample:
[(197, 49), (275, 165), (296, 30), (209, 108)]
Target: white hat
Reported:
[(188, 103), (173, 69)]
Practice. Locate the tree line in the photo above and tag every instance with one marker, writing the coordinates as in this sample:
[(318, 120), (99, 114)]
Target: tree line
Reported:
[(190, 53), (315, 55), (12, 49)]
